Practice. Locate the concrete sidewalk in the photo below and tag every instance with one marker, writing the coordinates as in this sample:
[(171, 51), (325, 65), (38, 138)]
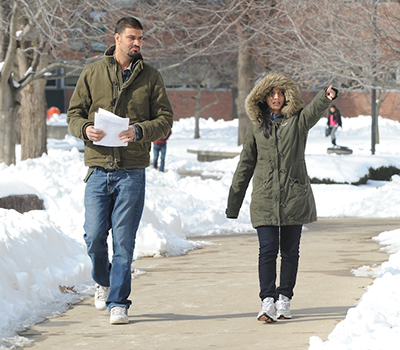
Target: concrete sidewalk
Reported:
[(209, 297)]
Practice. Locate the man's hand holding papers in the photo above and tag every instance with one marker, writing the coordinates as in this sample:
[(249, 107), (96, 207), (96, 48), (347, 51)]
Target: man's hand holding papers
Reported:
[(110, 130)]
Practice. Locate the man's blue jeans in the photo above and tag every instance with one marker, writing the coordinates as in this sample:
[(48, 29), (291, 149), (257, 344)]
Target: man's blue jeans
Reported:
[(270, 238), (114, 199), (156, 150)]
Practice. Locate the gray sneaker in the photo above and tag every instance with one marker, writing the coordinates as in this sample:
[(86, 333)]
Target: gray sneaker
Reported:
[(119, 315), (100, 297), (283, 307), (268, 311)]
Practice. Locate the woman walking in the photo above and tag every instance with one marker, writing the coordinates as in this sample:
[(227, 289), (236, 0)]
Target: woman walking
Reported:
[(282, 199), (334, 121)]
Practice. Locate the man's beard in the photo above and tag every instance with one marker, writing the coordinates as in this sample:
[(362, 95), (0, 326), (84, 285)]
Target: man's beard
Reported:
[(134, 53)]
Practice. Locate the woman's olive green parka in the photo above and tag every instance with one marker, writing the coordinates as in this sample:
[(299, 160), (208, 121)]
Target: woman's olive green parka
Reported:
[(282, 192)]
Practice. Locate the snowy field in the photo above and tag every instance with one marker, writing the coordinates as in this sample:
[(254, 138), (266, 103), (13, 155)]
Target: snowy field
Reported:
[(43, 259)]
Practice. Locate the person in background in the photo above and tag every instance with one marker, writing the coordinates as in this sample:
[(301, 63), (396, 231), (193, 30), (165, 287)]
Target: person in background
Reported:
[(282, 201), (125, 85), (160, 146), (334, 121)]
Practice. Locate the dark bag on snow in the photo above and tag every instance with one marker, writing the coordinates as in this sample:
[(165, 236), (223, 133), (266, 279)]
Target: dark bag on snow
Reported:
[(328, 131)]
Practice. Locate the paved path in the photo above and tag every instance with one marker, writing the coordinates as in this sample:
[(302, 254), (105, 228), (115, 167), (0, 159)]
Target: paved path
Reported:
[(208, 299)]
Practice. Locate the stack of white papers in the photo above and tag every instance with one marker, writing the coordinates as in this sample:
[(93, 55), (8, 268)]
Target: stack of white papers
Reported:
[(112, 125)]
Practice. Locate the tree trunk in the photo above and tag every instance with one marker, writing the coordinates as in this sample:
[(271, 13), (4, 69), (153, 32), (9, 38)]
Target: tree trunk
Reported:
[(234, 91), (245, 78), (197, 109), (33, 114), (381, 98), (373, 120), (8, 94), (7, 123)]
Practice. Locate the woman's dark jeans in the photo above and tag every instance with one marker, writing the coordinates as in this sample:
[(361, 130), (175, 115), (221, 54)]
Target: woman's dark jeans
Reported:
[(270, 238)]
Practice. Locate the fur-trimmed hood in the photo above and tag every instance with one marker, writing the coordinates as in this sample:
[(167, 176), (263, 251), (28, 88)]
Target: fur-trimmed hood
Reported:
[(293, 99)]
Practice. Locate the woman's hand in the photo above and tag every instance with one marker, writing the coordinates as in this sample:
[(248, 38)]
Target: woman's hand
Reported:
[(330, 93)]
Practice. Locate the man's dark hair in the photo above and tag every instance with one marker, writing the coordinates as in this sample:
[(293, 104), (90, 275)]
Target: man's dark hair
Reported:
[(127, 22)]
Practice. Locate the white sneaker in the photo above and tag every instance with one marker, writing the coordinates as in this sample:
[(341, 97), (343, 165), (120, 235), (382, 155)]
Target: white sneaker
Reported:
[(283, 307), (268, 310), (119, 315), (100, 297)]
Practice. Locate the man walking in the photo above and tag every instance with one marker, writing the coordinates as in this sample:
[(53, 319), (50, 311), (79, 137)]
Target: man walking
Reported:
[(115, 184), (160, 146)]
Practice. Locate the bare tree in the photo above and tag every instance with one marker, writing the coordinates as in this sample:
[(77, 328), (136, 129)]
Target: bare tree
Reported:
[(213, 28), (40, 36), (311, 40), (252, 22), (201, 74), (353, 44)]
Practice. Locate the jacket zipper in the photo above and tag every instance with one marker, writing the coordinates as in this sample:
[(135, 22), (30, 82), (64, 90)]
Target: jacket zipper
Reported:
[(116, 90)]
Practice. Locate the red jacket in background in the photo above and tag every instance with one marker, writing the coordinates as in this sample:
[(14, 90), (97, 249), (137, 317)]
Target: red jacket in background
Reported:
[(162, 142)]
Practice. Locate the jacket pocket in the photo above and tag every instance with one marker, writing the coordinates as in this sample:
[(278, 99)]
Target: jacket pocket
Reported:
[(299, 204)]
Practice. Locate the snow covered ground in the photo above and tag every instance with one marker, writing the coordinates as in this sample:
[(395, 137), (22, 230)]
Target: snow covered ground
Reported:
[(43, 259)]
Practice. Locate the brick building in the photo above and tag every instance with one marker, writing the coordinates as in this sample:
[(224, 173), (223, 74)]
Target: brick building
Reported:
[(350, 104)]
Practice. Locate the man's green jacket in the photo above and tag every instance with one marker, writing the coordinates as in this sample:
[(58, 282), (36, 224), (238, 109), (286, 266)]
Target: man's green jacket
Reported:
[(142, 98)]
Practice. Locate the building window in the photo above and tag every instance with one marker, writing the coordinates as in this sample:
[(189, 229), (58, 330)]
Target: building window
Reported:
[(52, 83), (70, 81)]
